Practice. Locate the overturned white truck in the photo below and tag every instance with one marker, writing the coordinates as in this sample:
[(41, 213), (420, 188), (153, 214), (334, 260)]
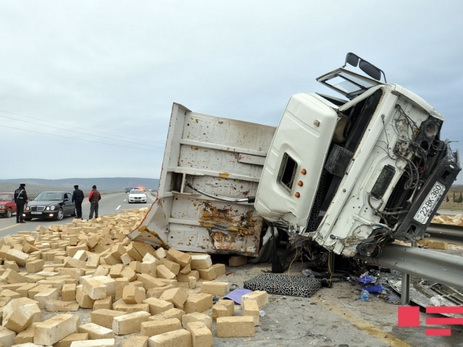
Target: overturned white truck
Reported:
[(350, 174)]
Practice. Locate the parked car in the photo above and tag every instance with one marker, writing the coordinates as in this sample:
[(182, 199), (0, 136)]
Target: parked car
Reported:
[(7, 204), (137, 195), (50, 205)]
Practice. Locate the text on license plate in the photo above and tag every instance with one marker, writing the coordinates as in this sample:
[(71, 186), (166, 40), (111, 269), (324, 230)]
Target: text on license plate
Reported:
[(33, 212), (429, 204)]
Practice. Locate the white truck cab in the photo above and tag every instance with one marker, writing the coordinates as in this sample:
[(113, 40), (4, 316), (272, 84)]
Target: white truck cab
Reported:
[(356, 174)]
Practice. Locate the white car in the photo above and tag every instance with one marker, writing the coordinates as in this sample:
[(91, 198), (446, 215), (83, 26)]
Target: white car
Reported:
[(136, 195)]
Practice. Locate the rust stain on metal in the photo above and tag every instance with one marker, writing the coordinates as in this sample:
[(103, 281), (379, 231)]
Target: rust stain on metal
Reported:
[(230, 230), (227, 219), (227, 243)]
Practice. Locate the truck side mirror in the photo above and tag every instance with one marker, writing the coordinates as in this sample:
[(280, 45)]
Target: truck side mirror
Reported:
[(370, 69), (352, 59), (365, 66)]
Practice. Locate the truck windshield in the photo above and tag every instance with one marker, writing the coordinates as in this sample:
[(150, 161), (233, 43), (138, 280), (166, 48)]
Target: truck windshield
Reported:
[(347, 82)]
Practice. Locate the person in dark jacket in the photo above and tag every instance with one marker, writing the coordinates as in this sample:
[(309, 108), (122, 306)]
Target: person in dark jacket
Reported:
[(94, 197), (20, 198), (78, 198)]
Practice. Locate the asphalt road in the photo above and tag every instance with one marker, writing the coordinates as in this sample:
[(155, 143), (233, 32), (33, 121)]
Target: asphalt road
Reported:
[(109, 204)]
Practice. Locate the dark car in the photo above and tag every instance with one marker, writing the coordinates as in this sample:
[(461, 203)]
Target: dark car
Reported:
[(7, 204), (50, 205)]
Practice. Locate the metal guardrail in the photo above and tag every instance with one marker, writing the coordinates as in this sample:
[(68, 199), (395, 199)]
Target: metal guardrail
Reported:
[(446, 232), (437, 266)]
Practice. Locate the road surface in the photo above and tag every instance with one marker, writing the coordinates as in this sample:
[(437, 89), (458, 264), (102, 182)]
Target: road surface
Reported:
[(109, 204)]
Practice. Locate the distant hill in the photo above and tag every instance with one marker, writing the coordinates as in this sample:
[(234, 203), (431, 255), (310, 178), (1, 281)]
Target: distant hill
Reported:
[(456, 188), (104, 184)]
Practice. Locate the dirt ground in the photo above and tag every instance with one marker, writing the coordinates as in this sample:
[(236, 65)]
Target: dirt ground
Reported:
[(332, 317)]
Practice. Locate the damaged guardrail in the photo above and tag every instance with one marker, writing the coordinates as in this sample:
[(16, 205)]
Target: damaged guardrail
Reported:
[(437, 266)]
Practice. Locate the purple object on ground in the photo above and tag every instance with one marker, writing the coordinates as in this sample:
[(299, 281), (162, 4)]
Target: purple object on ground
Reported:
[(374, 289), (365, 279), (236, 294)]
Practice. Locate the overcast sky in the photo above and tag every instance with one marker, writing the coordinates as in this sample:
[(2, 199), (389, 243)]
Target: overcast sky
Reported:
[(86, 87)]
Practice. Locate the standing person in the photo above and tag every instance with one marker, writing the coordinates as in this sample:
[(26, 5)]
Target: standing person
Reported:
[(20, 198), (94, 197), (78, 198)]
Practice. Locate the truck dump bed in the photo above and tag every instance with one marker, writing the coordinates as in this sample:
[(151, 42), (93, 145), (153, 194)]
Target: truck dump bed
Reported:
[(208, 158)]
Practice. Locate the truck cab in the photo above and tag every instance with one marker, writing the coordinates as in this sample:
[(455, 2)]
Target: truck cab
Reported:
[(356, 173)]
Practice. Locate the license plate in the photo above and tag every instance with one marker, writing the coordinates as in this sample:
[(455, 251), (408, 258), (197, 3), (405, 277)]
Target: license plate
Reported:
[(33, 212), (429, 204)]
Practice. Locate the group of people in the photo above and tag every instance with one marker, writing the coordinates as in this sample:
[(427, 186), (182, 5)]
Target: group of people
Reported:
[(94, 198), (78, 197)]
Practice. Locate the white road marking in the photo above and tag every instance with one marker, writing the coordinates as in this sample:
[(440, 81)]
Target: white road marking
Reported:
[(118, 207)]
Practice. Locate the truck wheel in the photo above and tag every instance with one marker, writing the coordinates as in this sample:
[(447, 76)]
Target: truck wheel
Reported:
[(8, 213), (60, 214)]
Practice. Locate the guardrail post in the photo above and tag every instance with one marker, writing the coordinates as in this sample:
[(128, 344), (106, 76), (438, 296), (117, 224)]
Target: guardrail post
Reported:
[(405, 285), (405, 289)]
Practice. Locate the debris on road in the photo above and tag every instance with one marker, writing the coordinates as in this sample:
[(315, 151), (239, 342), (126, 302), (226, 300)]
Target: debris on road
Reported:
[(450, 220), (124, 292), (86, 280)]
